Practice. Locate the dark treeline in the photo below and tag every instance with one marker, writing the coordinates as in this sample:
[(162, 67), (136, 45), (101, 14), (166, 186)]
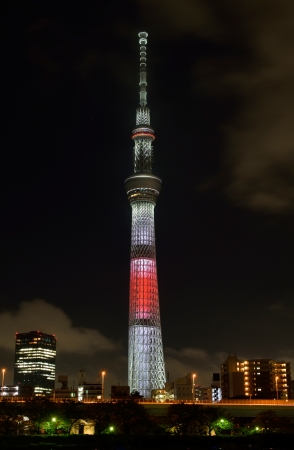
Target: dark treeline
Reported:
[(130, 422)]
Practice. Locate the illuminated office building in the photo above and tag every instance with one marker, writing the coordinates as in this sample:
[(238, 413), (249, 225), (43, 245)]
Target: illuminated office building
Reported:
[(34, 367), (255, 378)]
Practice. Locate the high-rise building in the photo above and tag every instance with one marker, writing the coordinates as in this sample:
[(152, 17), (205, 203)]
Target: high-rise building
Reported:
[(232, 377), (266, 378), (145, 360), (255, 378), (35, 354)]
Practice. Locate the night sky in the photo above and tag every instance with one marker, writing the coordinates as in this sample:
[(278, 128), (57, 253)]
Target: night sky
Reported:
[(221, 94)]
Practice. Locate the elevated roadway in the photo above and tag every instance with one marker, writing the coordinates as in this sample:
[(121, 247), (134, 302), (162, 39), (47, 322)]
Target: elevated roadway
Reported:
[(235, 409)]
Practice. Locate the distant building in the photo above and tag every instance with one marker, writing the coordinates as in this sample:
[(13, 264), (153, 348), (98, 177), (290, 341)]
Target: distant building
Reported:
[(88, 392), (82, 377), (266, 378), (183, 388), (205, 394), (255, 378), (64, 392), (216, 392), (34, 367), (9, 391), (232, 377), (291, 395)]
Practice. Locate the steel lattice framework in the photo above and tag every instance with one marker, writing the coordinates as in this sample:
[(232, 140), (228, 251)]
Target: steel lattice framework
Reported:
[(146, 363)]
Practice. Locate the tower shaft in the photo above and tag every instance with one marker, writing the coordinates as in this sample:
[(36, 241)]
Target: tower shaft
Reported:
[(145, 361)]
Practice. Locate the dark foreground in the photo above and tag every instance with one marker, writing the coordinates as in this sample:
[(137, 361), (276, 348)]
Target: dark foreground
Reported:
[(124, 442)]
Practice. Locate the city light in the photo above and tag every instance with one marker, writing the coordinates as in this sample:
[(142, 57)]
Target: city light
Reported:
[(193, 390), (3, 373), (102, 393), (277, 388)]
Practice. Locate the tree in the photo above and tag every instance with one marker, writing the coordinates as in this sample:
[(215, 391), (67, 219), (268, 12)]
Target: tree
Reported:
[(268, 422), (222, 425), (11, 417), (101, 414), (194, 419), (39, 410), (184, 419), (132, 418), (68, 413), (136, 395), (214, 419)]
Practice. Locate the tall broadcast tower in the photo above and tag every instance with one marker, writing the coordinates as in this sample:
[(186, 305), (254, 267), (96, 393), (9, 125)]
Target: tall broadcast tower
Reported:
[(146, 365)]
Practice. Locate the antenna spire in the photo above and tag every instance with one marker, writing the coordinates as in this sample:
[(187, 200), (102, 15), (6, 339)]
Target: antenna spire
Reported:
[(143, 73)]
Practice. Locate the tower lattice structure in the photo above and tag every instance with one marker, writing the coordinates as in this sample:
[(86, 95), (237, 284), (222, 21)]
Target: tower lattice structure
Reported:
[(145, 361)]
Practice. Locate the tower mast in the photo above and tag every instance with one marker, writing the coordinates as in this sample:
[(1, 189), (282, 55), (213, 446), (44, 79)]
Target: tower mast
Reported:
[(145, 360)]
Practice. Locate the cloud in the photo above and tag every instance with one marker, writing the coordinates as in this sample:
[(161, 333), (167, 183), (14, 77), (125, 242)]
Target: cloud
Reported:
[(176, 18), (178, 362), (194, 353), (281, 310), (41, 315), (259, 140), (252, 61)]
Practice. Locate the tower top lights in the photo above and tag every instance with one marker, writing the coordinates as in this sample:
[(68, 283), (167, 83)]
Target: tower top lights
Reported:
[(143, 73)]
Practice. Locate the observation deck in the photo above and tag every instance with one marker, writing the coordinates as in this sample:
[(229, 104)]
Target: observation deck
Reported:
[(143, 187)]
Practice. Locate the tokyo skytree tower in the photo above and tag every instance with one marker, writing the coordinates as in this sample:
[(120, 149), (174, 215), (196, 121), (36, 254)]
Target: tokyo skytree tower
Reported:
[(145, 361)]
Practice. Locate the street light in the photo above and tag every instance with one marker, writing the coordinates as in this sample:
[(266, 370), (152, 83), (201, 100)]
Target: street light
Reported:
[(54, 424), (3, 372), (102, 393), (193, 390), (277, 388)]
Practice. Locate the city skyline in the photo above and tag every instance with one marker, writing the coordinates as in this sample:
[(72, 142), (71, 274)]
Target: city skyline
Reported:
[(221, 100)]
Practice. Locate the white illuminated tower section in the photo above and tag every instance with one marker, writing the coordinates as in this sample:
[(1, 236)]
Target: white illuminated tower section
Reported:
[(146, 364)]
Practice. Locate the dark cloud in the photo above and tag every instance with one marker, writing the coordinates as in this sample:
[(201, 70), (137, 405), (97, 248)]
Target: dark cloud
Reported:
[(282, 310), (260, 142), (41, 315), (251, 62), (77, 347), (174, 18), (193, 360)]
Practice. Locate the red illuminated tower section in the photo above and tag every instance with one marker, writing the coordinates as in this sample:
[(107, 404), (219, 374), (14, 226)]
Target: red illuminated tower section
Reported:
[(145, 362)]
